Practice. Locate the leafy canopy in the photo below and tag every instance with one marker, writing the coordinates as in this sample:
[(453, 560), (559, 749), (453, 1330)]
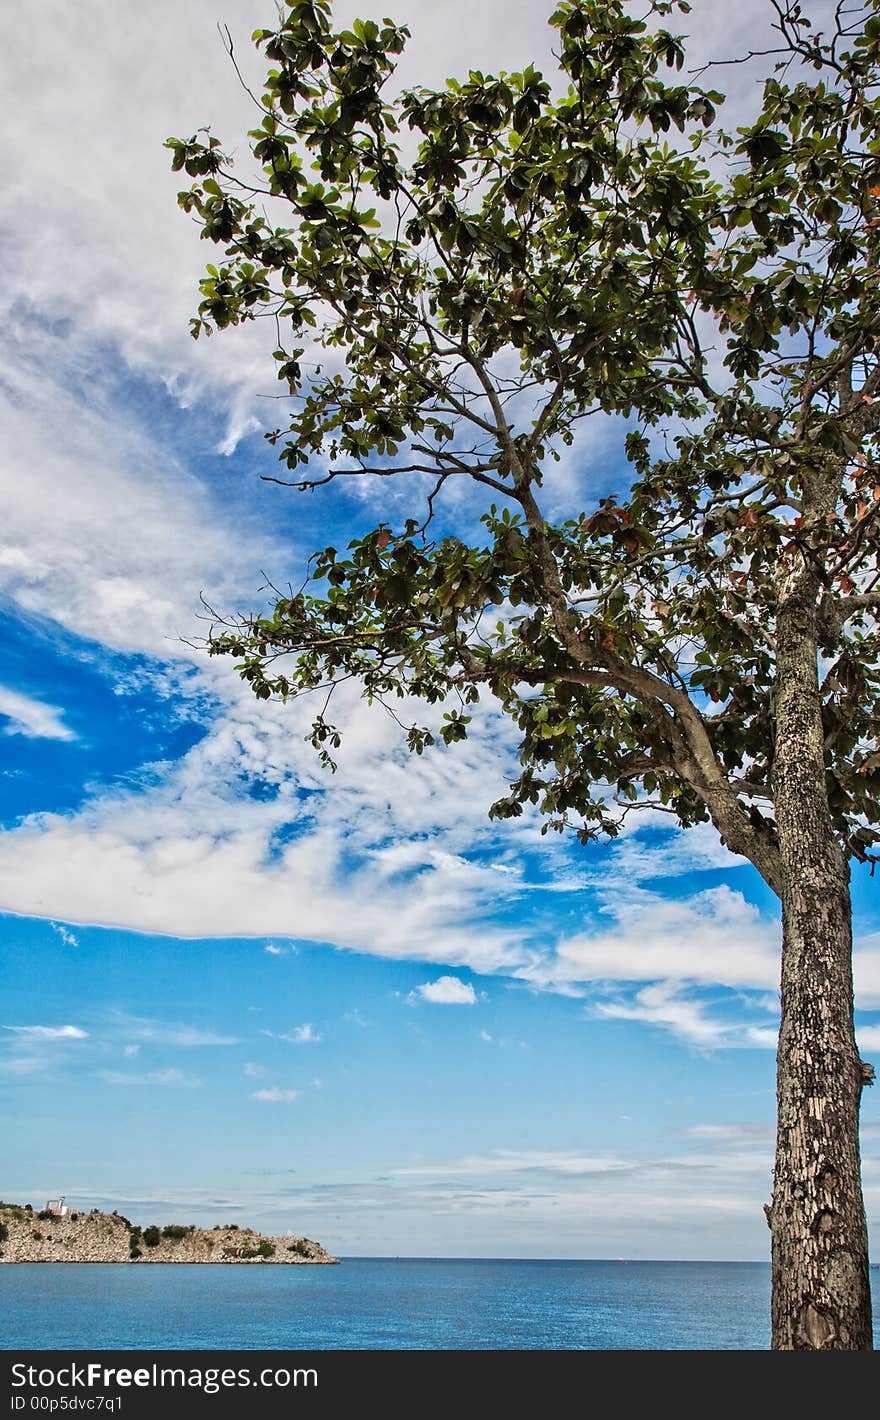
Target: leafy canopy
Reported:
[(482, 268)]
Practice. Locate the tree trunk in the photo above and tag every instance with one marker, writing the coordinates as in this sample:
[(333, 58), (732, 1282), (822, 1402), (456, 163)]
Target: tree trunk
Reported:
[(821, 1298)]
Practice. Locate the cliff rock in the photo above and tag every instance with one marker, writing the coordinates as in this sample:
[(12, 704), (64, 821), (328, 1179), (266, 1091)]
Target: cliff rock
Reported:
[(27, 1236)]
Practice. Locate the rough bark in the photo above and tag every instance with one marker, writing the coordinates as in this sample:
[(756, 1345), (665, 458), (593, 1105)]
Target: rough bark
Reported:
[(820, 1295)]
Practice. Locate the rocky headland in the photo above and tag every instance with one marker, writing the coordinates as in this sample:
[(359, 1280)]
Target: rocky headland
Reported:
[(29, 1236)]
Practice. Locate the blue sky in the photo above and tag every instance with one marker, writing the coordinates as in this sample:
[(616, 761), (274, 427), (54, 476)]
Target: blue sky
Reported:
[(235, 987)]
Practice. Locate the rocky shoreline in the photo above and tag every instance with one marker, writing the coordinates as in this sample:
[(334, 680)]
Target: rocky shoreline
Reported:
[(29, 1236)]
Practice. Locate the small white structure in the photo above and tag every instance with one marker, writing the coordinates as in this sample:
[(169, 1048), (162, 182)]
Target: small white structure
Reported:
[(57, 1207)]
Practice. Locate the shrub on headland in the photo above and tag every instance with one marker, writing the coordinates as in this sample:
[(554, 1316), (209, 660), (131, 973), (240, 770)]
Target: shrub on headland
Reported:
[(152, 1237), (246, 1253)]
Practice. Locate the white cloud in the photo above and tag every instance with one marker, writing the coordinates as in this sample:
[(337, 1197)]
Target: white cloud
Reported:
[(108, 534), (868, 1037), (49, 1032), (715, 936), (275, 1096), (695, 1192), (252, 1070), (371, 860), (664, 1004), (866, 972), (105, 532), (446, 991), (110, 220), (567, 1162), (171, 1033), (23, 1064), (130, 1051), (761, 1037), (190, 1036), (152, 1077), (172, 1077), (31, 1050), (192, 853), (299, 1035), (32, 718), (68, 938), (737, 1133), (92, 223)]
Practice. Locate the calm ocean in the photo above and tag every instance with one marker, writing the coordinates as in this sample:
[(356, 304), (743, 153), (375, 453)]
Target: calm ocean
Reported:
[(390, 1304)]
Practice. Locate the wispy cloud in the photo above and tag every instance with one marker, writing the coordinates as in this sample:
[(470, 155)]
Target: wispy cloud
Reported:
[(68, 938), (445, 991), (275, 1096), (24, 1064), (568, 1162), (107, 533), (299, 1035), (253, 1070), (152, 1077), (275, 951), (711, 937), (708, 1181), (112, 537), (32, 1050), (733, 1133), (195, 853), (32, 718), (172, 1033), (49, 1032), (665, 1004)]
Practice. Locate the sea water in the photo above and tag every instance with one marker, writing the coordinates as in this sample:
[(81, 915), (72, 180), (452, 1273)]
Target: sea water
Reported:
[(389, 1304)]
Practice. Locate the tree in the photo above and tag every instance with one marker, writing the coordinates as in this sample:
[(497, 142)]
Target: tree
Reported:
[(486, 266)]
